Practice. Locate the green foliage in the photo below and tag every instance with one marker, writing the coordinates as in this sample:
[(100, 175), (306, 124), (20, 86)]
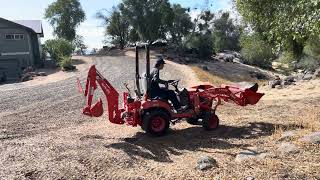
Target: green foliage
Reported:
[(201, 44), (312, 47), (66, 64), (286, 23), (181, 24), (58, 48), (255, 51), (117, 26), (226, 34), (311, 57), (79, 45), (150, 18), (65, 16)]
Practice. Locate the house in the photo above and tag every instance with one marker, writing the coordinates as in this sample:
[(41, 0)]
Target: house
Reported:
[(20, 46)]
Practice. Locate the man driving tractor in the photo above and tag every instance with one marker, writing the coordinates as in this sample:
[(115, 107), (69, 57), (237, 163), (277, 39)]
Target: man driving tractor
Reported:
[(163, 93)]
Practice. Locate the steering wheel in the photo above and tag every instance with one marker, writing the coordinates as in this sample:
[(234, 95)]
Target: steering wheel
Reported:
[(174, 83)]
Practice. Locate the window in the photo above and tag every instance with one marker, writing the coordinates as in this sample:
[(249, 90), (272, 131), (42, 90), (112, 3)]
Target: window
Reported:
[(14, 36)]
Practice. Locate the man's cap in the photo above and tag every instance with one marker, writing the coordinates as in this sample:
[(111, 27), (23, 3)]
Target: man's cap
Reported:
[(160, 61)]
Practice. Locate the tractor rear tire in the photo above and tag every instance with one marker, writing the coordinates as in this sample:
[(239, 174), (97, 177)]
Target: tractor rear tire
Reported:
[(156, 123), (210, 121), (193, 121)]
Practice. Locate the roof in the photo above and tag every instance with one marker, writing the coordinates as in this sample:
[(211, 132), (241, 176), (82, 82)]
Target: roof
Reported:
[(35, 25)]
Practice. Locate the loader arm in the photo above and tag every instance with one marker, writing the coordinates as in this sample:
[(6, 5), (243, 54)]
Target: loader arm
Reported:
[(242, 97), (111, 94)]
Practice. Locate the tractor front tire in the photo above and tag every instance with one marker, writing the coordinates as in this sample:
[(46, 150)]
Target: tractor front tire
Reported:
[(210, 121), (156, 123)]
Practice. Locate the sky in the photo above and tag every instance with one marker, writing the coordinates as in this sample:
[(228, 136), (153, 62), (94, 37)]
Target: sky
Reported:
[(91, 29)]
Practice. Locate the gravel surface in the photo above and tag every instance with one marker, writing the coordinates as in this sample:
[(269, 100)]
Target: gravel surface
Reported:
[(41, 127), (43, 135)]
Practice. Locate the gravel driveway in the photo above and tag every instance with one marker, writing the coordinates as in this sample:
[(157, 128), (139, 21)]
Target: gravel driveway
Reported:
[(44, 135)]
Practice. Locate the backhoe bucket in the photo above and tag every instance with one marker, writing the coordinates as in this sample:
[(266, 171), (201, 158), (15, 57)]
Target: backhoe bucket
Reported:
[(95, 111)]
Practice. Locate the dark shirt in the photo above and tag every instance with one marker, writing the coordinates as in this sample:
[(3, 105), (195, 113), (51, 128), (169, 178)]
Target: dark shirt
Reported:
[(155, 79)]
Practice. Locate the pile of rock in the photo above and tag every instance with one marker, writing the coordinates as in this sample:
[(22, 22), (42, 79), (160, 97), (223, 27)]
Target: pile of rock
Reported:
[(280, 83), (229, 56), (29, 73), (307, 75), (290, 80)]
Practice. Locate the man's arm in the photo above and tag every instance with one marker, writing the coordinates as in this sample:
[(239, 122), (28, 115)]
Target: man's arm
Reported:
[(156, 78)]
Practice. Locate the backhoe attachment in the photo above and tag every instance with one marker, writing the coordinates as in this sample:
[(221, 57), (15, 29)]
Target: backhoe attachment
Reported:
[(94, 78)]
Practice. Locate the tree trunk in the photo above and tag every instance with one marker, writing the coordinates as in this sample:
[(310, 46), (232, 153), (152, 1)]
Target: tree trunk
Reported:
[(297, 49)]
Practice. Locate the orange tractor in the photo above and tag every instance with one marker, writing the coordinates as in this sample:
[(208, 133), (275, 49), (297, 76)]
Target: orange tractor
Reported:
[(155, 115)]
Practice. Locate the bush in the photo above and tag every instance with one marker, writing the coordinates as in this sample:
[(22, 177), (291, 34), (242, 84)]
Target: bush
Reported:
[(58, 48), (66, 64), (256, 51), (311, 54), (201, 44), (309, 63)]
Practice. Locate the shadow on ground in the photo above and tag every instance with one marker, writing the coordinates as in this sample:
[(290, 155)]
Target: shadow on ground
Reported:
[(190, 139)]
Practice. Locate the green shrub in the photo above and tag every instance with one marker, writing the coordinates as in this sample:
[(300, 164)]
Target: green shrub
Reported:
[(309, 63), (66, 64), (201, 44), (256, 51), (58, 48)]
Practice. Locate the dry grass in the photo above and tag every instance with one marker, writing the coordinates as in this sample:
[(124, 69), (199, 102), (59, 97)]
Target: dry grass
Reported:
[(208, 77), (292, 109)]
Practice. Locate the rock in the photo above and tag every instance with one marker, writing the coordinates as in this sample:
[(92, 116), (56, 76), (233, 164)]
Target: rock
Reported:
[(316, 74), (286, 83), (307, 77), (42, 74), (313, 138), (300, 76), (206, 162), (237, 60), (245, 155), (278, 86), (26, 77), (289, 79), (250, 178), (288, 148), (274, 83), (287, 135), (205, 68)]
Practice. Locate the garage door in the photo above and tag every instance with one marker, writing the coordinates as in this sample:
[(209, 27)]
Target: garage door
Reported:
[(10, 67)]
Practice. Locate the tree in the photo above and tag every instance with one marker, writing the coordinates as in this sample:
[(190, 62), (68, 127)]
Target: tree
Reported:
[(79, 45), (65, 16), (150, 18), (256, 51), (117, 26), (58, 48), (288, 24), (225, 34), (181, 24)]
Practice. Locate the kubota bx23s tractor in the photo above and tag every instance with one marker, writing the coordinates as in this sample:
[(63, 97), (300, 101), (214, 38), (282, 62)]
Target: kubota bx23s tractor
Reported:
[(155, 115)]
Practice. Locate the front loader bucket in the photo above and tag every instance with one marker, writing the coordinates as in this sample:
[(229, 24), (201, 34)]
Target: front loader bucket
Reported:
[(95, 111), (246, 93), (252, 97)]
